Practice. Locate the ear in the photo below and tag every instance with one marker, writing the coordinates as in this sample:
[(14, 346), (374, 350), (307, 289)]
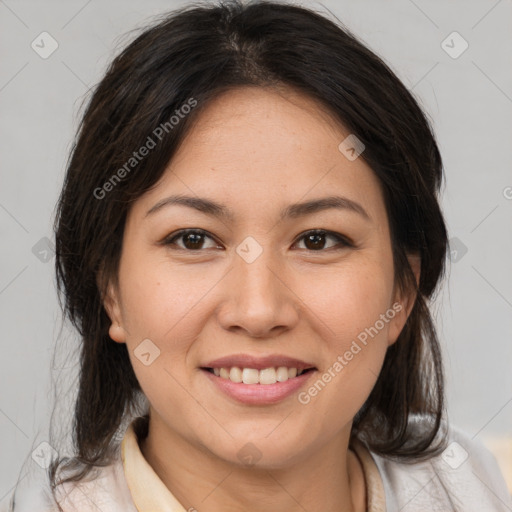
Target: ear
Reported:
[(112, 305), (403, 302)]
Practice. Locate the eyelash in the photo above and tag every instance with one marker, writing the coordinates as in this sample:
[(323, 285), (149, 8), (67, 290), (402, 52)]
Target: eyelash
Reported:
[(344, 241)]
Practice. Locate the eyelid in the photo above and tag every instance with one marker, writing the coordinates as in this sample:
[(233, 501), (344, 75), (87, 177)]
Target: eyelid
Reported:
[(168, 240), (343, 240)]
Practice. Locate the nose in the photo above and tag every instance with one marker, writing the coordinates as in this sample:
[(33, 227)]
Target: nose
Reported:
[(257, 299)]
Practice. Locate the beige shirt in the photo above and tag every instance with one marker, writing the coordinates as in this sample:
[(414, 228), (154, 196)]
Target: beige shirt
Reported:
[(465, 478), (150, 494)]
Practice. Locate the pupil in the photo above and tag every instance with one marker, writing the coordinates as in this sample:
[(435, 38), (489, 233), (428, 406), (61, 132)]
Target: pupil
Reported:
[(315, 238), (197, 240)]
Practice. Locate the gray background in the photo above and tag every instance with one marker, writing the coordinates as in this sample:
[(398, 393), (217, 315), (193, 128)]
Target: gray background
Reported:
[(468, 98)]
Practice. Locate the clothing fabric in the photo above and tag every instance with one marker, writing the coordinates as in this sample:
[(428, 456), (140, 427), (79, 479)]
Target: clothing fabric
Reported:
[(465, 478)]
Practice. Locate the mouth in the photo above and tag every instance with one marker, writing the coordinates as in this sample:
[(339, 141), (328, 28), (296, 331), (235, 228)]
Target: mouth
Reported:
[(258, 387), (258, 379), (264, 376)]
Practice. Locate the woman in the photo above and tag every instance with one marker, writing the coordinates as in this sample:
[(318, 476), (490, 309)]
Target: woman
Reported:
[(247, 240)]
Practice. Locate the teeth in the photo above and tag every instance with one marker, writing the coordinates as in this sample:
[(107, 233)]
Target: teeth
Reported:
[(235, 374), (253, 376), (249, 375)]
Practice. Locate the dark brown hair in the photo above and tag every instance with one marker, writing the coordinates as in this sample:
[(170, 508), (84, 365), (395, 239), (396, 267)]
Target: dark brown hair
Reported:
[(199, 52)]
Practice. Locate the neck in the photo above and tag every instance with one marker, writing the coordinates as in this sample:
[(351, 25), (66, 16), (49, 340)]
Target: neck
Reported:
[(329, 479)]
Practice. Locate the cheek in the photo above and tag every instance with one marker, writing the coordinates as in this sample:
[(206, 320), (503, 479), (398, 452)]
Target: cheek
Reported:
[(354, 352), (158, 300), (356, 312), (158, 310), (352, 300)]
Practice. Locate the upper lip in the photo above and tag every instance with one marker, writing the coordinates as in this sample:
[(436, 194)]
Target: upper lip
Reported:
[(258, 362)]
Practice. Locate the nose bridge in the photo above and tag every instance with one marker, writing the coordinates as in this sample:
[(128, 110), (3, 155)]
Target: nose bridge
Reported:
[(257, 270), (259, 300)]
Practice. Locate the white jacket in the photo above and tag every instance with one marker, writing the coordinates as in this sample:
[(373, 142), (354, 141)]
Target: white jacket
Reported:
[(465, 478)]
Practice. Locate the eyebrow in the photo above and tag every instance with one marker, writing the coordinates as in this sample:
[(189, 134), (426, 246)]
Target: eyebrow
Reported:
[(214, 209)]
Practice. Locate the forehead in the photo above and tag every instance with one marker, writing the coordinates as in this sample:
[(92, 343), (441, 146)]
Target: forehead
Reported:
[(265, 123), (258, 146)]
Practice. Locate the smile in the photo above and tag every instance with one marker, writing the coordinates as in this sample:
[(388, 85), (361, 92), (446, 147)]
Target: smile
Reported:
[(265, 376), (257, 387)]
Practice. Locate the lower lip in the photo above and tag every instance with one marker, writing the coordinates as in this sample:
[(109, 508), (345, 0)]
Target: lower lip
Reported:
[(259, 394)]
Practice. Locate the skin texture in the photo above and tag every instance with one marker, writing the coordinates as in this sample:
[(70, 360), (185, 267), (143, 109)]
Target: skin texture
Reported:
[(257, 150)]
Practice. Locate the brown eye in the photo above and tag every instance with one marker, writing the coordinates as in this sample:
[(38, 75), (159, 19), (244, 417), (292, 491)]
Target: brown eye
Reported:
[(192, 239), (315, 240)]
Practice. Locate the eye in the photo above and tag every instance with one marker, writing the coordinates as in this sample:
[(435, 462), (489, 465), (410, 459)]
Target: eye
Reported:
[(193, 239), (315, 240)]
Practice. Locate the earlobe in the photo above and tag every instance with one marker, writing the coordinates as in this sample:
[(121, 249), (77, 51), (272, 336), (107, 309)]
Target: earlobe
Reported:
[(117, 333), (404, 302), (415, 263), (111, 305)]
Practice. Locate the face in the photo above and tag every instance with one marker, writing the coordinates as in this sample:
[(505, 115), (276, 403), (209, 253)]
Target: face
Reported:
[(315, 284)]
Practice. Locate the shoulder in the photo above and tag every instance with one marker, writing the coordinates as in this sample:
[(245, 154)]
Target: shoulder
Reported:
[(105, 489), (464, 477)]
